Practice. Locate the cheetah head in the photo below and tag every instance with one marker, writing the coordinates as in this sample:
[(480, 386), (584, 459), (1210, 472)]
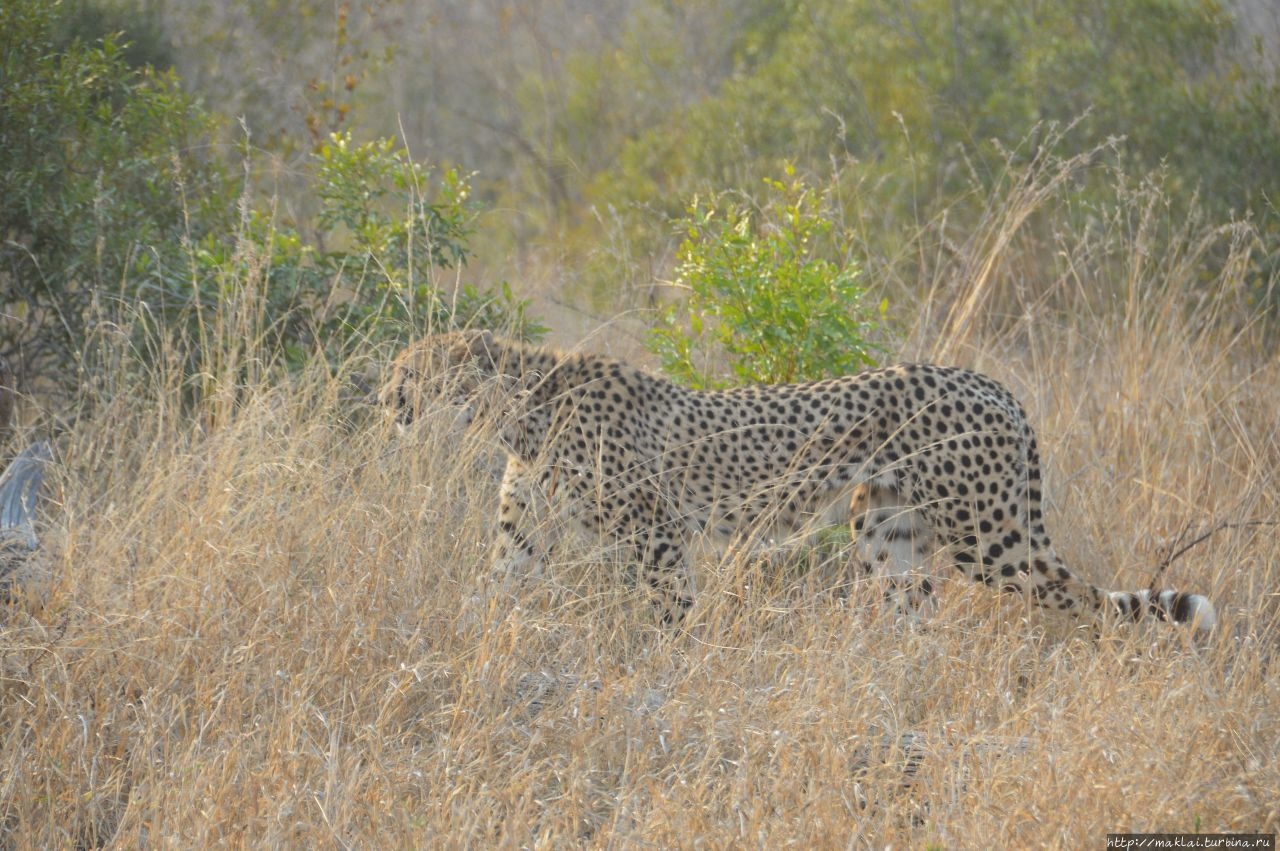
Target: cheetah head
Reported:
[(453, 371)]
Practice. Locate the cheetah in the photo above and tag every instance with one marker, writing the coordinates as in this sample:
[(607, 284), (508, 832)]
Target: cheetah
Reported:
[(914, 455)]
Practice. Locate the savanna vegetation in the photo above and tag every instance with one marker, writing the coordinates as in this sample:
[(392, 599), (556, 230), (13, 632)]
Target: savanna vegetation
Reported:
[(258, 618)]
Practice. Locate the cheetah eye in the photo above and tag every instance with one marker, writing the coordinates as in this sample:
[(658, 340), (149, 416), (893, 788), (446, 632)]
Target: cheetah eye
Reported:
[(404, 407)]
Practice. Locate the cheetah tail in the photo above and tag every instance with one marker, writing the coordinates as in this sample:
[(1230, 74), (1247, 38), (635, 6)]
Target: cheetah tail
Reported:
[(1174, 606)]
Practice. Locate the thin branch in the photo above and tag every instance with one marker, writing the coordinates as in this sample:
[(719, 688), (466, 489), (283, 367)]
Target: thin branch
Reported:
[(1201, 538)]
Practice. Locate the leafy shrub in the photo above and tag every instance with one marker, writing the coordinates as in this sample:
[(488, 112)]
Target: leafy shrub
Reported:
[(368, 269), (771, 291), (103, 178), (116, 215), (399, 231)]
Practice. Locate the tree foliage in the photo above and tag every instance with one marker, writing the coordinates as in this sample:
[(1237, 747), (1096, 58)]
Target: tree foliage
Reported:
[(117, 210), (593, 120), (104, 177), (910, 93)]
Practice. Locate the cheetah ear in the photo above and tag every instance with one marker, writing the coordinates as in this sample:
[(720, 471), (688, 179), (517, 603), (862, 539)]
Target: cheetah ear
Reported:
[(482, 345), (473, 345), (480, 339)]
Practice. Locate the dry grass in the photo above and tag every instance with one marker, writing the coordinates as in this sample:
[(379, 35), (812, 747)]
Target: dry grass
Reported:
[(275, 627)]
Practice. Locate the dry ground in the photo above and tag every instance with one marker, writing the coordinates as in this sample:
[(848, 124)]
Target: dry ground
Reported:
[(275, 627)]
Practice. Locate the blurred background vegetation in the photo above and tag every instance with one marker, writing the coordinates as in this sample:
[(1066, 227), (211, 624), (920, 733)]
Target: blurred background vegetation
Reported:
[(338, 164)]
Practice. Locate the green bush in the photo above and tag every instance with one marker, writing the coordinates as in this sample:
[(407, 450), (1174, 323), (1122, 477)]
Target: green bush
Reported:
[(772, 293), (116, 215), (368, 269), (104, 176)]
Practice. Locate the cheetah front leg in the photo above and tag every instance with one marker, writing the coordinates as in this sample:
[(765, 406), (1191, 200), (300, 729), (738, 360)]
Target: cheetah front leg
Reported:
[(516, 549)]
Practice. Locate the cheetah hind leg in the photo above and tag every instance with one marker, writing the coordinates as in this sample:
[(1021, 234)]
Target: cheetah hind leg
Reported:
[(892, 540), (663, 552)]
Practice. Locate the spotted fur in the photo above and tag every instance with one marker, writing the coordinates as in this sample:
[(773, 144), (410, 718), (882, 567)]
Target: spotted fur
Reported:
[(917, 455)]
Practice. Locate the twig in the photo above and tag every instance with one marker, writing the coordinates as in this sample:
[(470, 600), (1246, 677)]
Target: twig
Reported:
[(1201, 538)]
